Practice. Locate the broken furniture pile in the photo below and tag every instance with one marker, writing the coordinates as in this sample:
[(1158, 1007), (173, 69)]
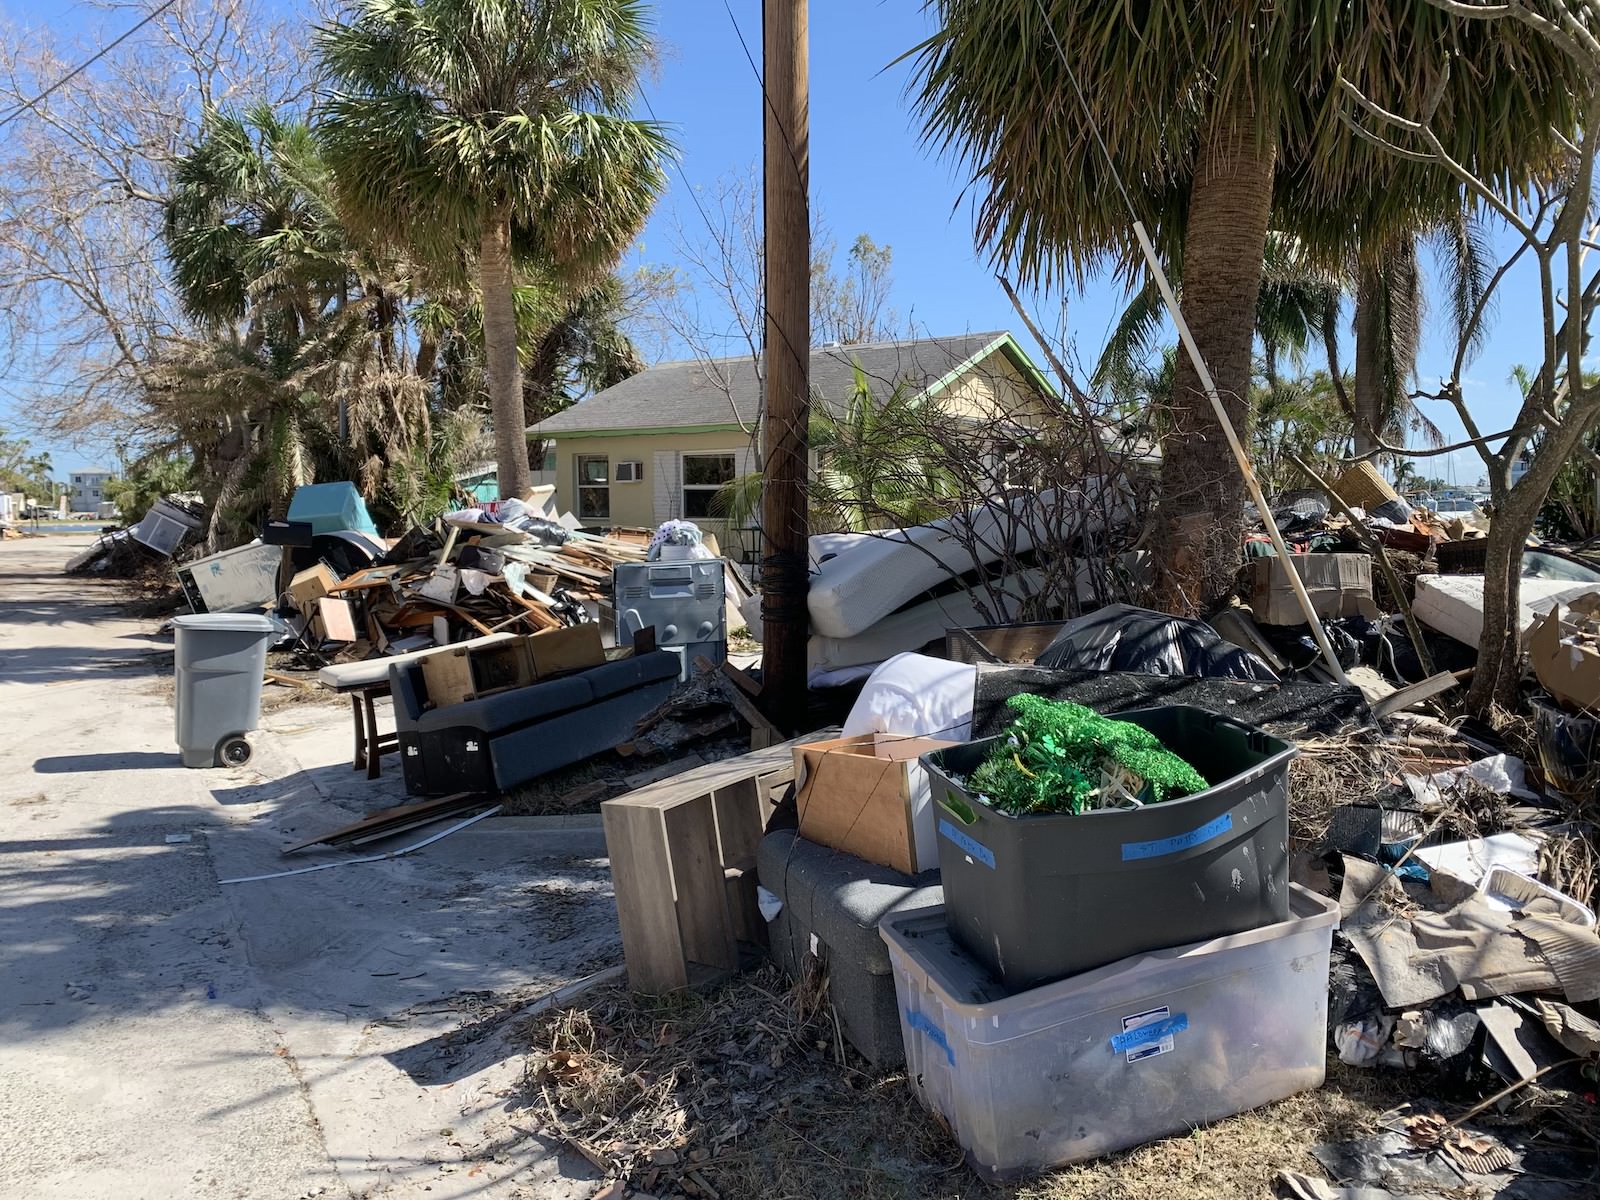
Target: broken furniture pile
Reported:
[(435, 588), (1396, 803)]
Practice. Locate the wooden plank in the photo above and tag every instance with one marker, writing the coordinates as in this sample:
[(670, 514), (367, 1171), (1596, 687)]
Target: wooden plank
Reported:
[(741, 680), (727, 771), (665, 771), (703, 921), (338, 622), (400, 816), (447, 677), (641, 876), (1433, 685)]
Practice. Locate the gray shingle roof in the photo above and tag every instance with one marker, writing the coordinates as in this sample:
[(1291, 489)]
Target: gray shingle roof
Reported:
[(724, 390)]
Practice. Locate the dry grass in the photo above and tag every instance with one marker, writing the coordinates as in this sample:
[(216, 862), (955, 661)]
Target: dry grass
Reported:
[(1570, 863), (1334, 771), (750, 1091)]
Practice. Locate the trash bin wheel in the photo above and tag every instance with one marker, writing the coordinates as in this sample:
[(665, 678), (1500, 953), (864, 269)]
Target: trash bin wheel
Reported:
[(235, 751)]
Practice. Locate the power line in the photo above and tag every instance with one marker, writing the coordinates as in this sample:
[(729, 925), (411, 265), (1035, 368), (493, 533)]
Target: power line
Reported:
[(26, 105)]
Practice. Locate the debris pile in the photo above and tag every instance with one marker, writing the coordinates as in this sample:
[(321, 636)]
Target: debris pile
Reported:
[(466, 578)]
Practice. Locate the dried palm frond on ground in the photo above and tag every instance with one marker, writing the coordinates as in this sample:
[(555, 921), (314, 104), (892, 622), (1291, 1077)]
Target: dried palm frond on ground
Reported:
[(1334, 771), (750, 1091), (1570, 863)]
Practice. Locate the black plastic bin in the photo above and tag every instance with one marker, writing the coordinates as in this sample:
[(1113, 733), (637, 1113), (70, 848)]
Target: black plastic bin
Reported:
[(1040, 897)]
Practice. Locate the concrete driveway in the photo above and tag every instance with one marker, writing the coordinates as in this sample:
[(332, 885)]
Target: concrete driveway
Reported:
[(352, 1032)]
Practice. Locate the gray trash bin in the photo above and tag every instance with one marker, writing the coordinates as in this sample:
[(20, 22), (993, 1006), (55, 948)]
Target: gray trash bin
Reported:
[(220, 661)]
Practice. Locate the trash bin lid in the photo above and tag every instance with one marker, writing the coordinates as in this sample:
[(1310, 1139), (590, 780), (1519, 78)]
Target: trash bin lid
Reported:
[(228, 622)]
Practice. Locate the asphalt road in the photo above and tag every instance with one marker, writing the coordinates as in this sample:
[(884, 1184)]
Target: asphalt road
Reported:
[(164, 1034)]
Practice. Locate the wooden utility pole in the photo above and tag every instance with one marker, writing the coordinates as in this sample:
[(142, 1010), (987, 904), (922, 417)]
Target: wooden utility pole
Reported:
[(785, 511)]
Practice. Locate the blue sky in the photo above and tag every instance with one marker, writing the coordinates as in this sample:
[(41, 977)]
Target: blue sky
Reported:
[(870, 174)]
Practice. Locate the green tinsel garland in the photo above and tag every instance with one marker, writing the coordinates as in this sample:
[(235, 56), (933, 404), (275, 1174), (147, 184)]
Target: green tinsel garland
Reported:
[(1055, 754)]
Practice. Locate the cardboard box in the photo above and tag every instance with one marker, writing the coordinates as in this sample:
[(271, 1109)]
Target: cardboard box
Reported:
[(574, 649), (868, 796), (311, 585), (1340, 585), (1565, 651)]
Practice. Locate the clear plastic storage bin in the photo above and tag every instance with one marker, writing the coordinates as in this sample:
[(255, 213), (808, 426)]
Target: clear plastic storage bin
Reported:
[(1132, 1051)]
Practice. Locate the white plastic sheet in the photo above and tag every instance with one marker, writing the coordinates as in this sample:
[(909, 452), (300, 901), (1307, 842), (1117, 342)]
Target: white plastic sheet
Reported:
[(918, 696)]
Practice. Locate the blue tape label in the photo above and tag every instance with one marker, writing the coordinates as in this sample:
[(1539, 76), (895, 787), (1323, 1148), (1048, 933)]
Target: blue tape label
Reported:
[(1183, 841), (935, 1035), (1149, 1033), (977, 849)]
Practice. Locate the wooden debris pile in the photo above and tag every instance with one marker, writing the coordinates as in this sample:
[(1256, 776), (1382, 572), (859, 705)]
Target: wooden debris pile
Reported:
[(464, 582)]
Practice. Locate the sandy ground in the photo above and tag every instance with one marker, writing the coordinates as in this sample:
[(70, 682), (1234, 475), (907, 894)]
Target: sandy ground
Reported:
[(353, 1032)]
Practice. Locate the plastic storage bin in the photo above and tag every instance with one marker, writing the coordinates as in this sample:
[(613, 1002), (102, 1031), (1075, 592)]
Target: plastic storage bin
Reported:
[(219, 660), (331, 508), (1045, 896), (1137, 1050)]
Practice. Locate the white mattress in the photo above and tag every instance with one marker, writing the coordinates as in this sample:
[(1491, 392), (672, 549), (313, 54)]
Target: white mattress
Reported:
[(916, 626), (1453, 604), (872, 574)]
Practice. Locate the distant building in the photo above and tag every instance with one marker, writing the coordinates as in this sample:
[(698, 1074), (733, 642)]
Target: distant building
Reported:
[(88, 488)]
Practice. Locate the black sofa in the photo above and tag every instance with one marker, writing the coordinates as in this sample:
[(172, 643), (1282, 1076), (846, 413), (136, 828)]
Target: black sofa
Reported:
[(500, 741)]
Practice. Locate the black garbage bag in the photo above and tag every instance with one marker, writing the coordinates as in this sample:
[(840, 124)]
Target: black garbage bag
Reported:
[(549, 532), (1120, 637)]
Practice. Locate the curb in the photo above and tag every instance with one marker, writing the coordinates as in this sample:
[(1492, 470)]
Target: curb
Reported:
[(577, 822)]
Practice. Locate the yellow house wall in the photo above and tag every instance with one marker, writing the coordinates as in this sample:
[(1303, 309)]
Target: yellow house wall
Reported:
[(991, 388), (633, 504)]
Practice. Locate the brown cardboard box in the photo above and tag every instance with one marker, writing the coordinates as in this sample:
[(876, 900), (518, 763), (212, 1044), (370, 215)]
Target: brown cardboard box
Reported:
[(309, 586), (868, 796), (1340, 585), (572, 649), (1565, 651)]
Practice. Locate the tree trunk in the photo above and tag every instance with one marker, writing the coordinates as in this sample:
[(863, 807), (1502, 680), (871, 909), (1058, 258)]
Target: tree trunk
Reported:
[(1500, 641), (1515, 510), (1367, 398), (1202, 492), (500, 357)]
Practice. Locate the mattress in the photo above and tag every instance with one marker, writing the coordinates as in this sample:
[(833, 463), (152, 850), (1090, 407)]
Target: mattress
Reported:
[(1453, 604), (858, 579), (917, 626)]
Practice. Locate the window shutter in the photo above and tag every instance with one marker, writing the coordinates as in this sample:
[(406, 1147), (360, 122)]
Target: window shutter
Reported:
[(664, 485)]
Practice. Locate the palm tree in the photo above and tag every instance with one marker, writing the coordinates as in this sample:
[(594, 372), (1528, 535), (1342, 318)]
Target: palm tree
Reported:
[(1389, 309), (495, 126), (250, 230), (1299, 307), (1222, 123), (298, 370)]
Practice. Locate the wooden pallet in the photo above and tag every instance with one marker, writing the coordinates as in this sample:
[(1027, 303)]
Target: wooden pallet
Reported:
[(683, 866)]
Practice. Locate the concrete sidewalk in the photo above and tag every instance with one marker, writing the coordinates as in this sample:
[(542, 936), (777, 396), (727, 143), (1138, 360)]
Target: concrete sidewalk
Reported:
[(164, 1034)]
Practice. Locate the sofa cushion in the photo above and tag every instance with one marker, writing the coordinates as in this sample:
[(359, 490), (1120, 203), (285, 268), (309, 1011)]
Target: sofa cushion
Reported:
[(507, 710), (626, 674)]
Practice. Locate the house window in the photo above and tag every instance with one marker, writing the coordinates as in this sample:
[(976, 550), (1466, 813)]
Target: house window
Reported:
[(630, 472), (594, 490), (704, 475), (548, 461)]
